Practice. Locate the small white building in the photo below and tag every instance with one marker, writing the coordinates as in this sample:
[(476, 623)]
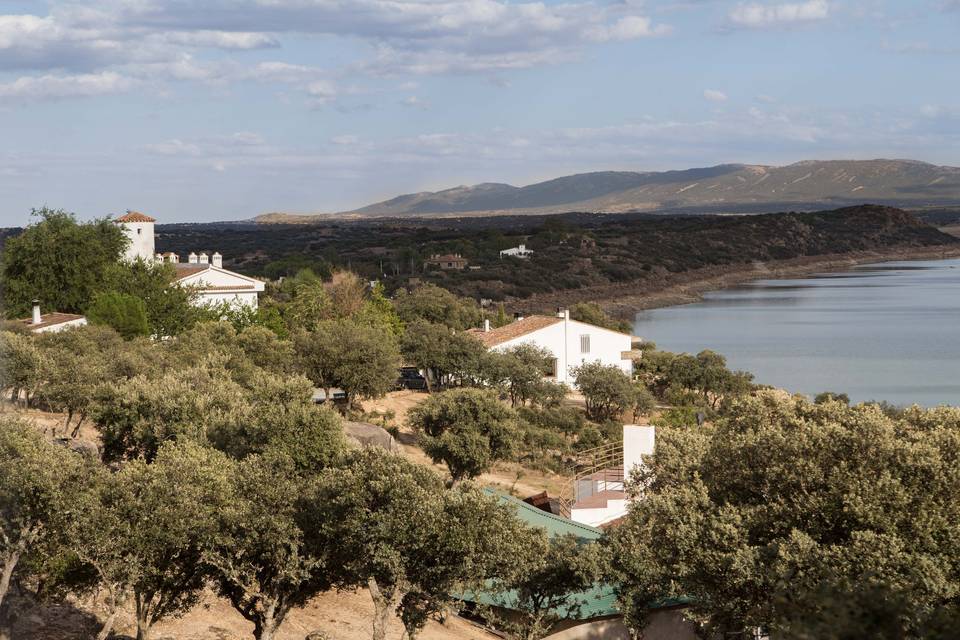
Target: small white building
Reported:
[(571, 342), (598, 494), (517, 252), (51, 322), (205, 274)]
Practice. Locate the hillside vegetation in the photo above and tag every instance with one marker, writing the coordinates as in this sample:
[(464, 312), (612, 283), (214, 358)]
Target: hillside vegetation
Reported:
[(572, 252), (734, 188)]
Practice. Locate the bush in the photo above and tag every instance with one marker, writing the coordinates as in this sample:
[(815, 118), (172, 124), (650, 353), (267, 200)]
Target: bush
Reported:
[(608, 391), (126, 314)]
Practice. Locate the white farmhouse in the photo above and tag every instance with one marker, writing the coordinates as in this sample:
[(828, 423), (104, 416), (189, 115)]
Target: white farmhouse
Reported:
[(517, 252), (571, 342), (204, 273)]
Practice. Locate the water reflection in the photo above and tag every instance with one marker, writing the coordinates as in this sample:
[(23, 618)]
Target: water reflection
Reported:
[(876, 332)]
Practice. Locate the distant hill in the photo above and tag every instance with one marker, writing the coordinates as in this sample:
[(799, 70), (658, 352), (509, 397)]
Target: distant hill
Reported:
[(728, 188)]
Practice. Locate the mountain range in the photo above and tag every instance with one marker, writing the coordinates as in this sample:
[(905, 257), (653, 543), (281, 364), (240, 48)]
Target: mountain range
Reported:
[(726, 188)]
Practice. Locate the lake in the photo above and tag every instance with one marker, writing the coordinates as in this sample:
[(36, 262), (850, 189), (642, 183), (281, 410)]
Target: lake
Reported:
[(887, 331)]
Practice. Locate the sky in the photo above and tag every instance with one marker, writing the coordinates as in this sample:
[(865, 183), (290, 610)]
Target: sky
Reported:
[(225, 109)]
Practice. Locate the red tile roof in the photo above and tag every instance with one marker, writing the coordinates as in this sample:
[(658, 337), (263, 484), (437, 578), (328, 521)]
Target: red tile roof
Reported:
[(513, 330), (50, 319), (135, 216), (186, 269)]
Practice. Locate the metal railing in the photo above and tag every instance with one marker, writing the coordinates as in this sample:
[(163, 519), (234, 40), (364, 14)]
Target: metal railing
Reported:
[(594, 470)]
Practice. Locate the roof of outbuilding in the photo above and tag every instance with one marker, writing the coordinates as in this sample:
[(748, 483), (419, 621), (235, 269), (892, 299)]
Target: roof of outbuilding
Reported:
[(135, 216), (513, 330), (50, 319)]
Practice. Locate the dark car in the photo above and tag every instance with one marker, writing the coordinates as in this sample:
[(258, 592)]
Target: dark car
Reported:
[(411, 378)]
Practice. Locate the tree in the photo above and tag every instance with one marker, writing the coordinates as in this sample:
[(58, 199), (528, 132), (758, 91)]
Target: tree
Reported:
[(548, 582), (389, 524), (434, 304), (125, 314), (260, 555), (607, 390), (362, 361), (36, 482), (520, 372), (168, 306), (444, 354), (58, 261), (136, 417), (751, 517), (466, 429), (75, 362), (144, 530), (21, 366), (592, 313)]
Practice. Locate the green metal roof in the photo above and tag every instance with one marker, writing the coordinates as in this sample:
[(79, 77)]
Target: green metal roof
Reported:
[(599, 601)]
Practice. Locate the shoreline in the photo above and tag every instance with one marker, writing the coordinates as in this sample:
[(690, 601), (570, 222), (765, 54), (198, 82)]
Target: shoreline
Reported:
[(625, 300)]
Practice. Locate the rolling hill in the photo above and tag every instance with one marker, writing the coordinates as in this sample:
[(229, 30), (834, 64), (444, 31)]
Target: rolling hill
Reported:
[(727, 188)]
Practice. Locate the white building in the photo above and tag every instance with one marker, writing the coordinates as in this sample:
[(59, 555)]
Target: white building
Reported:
[(597, 496), (517, 252), (205, 274), (51, 322), (571, 342)]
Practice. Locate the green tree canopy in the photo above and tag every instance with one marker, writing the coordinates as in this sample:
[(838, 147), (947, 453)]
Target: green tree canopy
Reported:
[(606, 389), (126, 314), (445, 355), (37, 480), (437, 305), (58, 261), (753, 516), (168, 306), (426, 542), (466, 429), (361, 360)]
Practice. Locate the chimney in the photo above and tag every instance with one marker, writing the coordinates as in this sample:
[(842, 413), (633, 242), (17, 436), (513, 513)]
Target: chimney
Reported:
[(192, 258), (159, 257), (37, 319), (204, 258), (486, 325), (217, 260)]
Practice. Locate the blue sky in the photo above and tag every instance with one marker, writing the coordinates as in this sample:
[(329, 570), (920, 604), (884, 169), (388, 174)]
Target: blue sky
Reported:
[(224, 109)]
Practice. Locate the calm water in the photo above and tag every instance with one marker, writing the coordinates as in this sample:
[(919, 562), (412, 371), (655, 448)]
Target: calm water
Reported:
[(878, 332)]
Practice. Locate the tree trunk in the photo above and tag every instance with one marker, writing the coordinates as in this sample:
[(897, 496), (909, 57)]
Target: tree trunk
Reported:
[(143, 617), (266, 624), (76, 429), (381, 609), (9, 564)]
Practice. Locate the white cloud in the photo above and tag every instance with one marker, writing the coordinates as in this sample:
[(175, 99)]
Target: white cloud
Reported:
[(627, 28), (31, 88), (222, 39), (760, 16), (713, 95)]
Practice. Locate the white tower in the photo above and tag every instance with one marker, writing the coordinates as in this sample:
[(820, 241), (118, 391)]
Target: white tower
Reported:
[(139, 229)]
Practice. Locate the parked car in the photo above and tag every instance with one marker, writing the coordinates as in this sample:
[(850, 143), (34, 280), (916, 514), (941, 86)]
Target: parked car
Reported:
[(411, 378)]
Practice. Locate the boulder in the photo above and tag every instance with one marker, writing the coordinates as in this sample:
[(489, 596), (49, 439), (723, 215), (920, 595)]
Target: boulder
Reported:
[(364, 434)]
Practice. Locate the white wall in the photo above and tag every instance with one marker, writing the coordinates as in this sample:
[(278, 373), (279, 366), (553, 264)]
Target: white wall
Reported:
[(638, 441), (56, 328), (214, 277), (562, 339), (142, 242)]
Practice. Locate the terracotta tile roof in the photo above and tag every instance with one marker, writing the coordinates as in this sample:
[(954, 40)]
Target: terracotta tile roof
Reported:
[(186, 269), (135, 216), (50, 319), (513, 330)]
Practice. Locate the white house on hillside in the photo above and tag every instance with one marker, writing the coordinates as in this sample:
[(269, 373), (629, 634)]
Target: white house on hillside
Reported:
[(517, 252), (571, 342), (205, 274)]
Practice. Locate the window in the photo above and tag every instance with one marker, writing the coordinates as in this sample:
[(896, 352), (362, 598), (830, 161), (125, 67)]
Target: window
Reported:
[(585, 343), (139, 231)]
